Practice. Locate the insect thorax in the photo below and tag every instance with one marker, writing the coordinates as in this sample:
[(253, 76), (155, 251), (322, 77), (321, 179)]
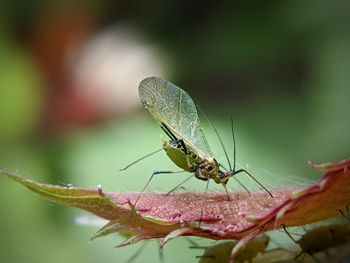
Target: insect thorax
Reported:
[(204, 169), (324, 237), (209, 169)]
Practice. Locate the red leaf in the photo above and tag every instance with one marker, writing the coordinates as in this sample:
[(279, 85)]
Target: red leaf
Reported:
[(207, 215)]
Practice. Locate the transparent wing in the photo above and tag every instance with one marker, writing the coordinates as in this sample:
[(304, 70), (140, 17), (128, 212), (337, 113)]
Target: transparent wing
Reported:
[(172, 106)]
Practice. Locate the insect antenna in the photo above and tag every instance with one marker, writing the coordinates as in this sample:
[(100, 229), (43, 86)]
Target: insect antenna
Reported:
[(234, 145), (288, 234), (218, 135), (140, 159), (243, 170)]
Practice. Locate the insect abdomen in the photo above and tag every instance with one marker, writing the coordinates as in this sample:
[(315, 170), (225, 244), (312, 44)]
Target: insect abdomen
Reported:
[(178, 156)]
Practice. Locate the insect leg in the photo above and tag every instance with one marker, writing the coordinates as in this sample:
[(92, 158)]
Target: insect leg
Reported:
[(302, 252), (160, 252), (252, 177), (184, 181), (150, 179), (206, 190), (194, 244), (242, 185), (239, 182), (225, 187), (288, 234), (140, 159), (345, 214), (136, 254)]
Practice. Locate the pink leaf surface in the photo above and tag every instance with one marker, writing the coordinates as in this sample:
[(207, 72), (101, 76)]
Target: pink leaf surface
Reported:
[(206, 215)]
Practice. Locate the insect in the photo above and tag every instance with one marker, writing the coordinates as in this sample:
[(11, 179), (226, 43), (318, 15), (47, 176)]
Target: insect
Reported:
[(187, 146), (322, 238), (346, 214), (221, 251)]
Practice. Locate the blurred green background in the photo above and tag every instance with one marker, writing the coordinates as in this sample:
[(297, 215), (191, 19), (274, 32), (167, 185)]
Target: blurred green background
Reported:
[(70, 113)]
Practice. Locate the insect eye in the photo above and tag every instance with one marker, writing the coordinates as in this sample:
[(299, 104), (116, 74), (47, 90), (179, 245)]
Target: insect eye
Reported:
[(176, 145)]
